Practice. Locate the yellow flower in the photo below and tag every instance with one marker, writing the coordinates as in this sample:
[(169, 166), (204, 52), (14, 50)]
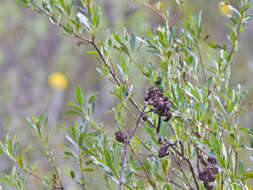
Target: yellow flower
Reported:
[(57, 81), (225, 8)]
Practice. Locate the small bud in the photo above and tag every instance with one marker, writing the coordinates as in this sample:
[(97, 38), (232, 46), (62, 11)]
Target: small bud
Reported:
[(78, 43), (144, 118), (162, 152), (160, 140)]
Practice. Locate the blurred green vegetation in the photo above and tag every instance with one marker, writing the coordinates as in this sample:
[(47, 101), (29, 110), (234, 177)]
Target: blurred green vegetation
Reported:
[(31, 49)]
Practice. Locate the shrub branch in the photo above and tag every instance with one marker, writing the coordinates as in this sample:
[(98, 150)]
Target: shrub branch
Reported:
[(127, 142)]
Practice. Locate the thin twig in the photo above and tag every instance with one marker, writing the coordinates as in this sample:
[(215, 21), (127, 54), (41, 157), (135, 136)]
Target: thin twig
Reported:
[(183, 172), (93, 43), (231, 52), (158, 125), (134, 116), (145, 146), (53, 186), (123, 167), (222, 180), (198, 157), (144, 169), (236, 162), (236, 41), (177, 185), (177, 175), (155, 10), (190, 165), (201, 61), (173, 131), (57, 172), (80, 163)]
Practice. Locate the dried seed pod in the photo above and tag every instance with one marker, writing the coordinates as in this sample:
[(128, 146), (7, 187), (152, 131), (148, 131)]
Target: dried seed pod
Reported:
[(161, 104), (203, 161), (212, 160), (202, 175), (214, 169), (208, 186), (167, 106), (169, 115), (120, 137), (212, 178), (146, 98), (208, 175), (165, 98), (155, 103), (152, 103), (163, 151)]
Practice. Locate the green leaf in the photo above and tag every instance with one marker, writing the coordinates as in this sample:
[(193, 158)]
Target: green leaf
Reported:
[(72, 174), (103, 71), (23, 3), (214, 45), (247, 175), (220, 106), (123, 64), (79, 96), (92, 101), (71, 154), (88, 169), (149, 34), (92, 52), (108, 158), (165, 166), (101, 163), (73, 112), (71, 140), (19, 161), (75, 106), (83, 19), (247, 130), (132, 41)]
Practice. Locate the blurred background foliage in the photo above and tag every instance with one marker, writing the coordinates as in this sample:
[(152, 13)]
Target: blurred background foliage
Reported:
[(40, 65)]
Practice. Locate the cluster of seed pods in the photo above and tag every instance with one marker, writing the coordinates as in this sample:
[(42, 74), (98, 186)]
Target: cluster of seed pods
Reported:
[(208, 174), (161, 104)]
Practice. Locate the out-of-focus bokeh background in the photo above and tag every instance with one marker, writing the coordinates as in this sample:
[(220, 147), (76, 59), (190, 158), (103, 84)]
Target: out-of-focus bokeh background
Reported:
[(33, 53)]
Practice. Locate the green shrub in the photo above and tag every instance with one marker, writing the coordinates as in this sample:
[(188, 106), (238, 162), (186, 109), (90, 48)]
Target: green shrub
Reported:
[(188, 121)]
